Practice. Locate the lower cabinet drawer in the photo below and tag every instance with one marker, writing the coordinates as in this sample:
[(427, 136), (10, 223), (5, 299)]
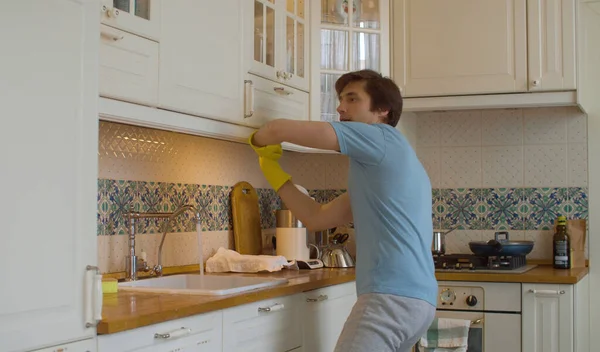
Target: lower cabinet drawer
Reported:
[(197, 333), (128, 67), (268, 100), (270, 325)]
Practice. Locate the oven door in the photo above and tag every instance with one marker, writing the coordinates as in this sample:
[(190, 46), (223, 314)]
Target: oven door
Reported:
[(489, 332), (476, 341)]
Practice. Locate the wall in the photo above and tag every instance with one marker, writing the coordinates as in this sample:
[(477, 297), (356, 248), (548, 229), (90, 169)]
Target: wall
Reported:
[(509, 169), (155, 170)]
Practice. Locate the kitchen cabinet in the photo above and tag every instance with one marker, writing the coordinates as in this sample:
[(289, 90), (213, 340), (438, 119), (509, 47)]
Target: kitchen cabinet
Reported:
[(277, 44), (128, 67), (268, 325), (49, 157), (345, 38), (325, 313), (201, 59), (87, 345), (446, 48), (555, 317), (199, 333), (139, 17)]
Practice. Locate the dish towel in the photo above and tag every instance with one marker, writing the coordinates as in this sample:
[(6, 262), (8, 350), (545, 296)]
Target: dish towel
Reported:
[(446, 335), (227, 260)]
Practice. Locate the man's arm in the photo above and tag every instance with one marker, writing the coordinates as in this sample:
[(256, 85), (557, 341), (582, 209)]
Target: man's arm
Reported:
[(315, 216), (313, 134)]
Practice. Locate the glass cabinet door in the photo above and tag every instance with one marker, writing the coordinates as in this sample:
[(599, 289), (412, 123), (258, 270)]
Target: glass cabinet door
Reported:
[(296, 51), (140, 17), (265, 36), (351, 37)]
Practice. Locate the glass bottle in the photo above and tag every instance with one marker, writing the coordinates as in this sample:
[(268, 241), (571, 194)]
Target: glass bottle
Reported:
[(561, 245)]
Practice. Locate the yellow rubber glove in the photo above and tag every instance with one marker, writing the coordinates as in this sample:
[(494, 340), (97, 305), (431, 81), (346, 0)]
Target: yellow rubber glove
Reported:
[(273, 172), (273, 151)]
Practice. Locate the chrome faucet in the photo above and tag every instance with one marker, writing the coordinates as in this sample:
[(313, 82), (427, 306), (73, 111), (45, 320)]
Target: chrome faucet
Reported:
[(135, 264)]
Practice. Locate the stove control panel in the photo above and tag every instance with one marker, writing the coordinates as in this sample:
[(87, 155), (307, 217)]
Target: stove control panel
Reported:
[(460, 298)]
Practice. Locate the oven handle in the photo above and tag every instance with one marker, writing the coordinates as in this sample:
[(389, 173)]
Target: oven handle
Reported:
[(476, 321)]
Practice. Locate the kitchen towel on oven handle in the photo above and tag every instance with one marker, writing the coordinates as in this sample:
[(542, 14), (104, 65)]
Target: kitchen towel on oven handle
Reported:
[(446, 334)]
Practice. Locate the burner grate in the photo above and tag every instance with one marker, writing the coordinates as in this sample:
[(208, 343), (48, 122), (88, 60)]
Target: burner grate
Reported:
[(475, 262)]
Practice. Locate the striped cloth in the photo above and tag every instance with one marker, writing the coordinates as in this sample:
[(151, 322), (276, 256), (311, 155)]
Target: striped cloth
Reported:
[(446, 335)]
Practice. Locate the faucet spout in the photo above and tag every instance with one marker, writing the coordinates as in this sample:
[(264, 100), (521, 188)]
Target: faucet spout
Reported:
[(158, 267), (132, 260)]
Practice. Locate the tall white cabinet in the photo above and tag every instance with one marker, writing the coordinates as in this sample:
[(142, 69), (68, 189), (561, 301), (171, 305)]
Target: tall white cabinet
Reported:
[(48, 152)]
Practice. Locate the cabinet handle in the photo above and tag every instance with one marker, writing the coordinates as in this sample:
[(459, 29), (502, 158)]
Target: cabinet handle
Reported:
[(249, 108), (93, 306), (548, 292), (173, 334), (110, 35), (282, 91), (273, 308), (318, 299), (536, 83)]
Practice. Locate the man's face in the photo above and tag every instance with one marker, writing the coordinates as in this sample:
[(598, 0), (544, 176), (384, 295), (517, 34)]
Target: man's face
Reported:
[(355, 105)]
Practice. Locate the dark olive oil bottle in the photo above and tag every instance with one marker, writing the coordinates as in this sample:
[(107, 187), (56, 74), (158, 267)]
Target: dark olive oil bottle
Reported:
[(561, 244)]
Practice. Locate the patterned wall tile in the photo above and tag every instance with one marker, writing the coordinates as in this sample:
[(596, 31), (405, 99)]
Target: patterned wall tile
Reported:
[(544, 206), (461, 129), (502, 127), (461, 167), (544, 126)]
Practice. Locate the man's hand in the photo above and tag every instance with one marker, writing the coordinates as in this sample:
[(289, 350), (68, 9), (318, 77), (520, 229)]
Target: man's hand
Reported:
[(273, 172)]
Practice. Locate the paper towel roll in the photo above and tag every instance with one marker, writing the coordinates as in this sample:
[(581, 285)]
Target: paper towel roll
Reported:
[(291, 243)]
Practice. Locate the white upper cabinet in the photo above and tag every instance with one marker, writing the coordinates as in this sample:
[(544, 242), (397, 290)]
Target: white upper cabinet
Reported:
[(459, 47), (48, 152), (201, 58), (345, 38), (140, 17), (462, 47), (277, 45), (551, 36)]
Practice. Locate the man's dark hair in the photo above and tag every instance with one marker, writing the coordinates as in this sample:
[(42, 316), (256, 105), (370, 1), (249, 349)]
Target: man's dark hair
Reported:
[(384, 93)]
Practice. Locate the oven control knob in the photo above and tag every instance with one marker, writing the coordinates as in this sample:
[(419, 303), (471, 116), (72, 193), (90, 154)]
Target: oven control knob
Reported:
[(471, 301)]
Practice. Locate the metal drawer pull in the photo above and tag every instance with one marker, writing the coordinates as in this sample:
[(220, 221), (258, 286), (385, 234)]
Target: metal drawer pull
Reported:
[(273, 308), (476, 321), (547, 292), (174, 334), (110, 35), (282, 91), (318, 299)]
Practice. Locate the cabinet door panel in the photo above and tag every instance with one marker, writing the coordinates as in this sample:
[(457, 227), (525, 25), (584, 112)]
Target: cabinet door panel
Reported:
[(459, 47), (201, 58), (551, 40)]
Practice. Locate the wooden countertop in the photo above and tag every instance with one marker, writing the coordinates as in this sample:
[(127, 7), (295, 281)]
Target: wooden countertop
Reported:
[(129, 310), (541, 274)]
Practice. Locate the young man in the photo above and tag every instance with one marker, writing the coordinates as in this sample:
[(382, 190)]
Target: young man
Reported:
[(388, 199)]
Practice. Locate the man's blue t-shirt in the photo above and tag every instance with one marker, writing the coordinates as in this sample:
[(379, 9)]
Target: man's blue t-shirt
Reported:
[(390, 194)]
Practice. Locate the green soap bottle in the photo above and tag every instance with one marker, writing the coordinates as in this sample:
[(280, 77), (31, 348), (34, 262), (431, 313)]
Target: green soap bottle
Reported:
[(561, 245)]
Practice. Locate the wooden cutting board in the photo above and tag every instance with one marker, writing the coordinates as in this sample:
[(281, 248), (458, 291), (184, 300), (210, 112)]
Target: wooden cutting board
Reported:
[(246, 219)]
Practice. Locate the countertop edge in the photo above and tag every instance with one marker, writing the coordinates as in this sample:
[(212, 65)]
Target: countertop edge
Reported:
[(115, 326)]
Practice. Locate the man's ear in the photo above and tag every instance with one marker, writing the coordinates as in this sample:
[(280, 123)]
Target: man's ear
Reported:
[(384, 115)]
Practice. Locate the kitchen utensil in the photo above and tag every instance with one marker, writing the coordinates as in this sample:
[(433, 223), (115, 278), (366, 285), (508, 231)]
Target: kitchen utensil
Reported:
[(438, 245), (246, 219), (501, 245), (336, 255)]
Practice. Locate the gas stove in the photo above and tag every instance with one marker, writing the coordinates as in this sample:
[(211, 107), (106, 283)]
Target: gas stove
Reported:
[(481, 264)]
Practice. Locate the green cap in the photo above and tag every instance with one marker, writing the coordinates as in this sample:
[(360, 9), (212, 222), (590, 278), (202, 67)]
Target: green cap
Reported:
[(562, 219)]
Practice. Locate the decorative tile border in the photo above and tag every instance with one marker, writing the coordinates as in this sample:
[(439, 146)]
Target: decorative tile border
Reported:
[(467, 208), (507, 208), (117, 197)]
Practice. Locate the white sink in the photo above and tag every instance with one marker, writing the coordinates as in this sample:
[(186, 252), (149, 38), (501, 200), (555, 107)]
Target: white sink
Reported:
[(213, 285)]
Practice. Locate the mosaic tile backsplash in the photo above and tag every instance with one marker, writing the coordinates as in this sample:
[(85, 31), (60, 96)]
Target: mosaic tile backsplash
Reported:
[(117, 197)]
